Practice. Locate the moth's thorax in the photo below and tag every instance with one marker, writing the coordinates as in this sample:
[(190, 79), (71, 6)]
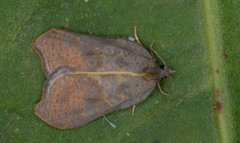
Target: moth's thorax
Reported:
[(163, 73)]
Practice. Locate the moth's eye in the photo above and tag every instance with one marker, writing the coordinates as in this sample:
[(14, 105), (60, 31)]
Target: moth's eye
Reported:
[(164, 77), (162, 66)]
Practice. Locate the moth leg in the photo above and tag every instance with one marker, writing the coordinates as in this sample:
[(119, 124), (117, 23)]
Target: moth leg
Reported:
[(136, 36), (160, 89), (133, 109), (151, 51), (109, 122)]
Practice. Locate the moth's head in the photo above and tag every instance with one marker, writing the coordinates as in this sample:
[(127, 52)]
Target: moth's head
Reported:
[(158, 73), (165, 72)]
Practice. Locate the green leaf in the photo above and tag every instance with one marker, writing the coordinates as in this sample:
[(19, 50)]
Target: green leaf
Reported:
[(198, 39)]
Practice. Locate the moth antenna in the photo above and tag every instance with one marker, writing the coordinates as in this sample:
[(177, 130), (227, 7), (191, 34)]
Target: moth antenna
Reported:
[(109, 122), (165, 65), (133, 109), (136, 35), (160, 89), (151, 47)]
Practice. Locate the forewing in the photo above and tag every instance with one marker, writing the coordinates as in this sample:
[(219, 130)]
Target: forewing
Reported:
[(71, 100), (58, 48)]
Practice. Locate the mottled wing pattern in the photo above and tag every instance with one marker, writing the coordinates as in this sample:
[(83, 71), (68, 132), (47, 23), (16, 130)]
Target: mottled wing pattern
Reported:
[(72, 100)]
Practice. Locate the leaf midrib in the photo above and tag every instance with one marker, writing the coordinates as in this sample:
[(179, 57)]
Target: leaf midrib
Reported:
[(217, 71)]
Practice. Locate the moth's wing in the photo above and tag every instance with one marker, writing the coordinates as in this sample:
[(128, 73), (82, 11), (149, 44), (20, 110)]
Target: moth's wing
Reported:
[(72, 100), (58, 48)]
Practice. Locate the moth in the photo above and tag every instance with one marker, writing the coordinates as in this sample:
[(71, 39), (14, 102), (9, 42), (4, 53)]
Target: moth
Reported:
[(89, 76)]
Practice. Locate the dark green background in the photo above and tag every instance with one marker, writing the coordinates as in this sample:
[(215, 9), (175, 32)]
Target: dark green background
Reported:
[(191, 35)]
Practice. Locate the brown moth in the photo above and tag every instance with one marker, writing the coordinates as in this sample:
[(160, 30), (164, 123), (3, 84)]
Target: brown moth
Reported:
[(89, 76)]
